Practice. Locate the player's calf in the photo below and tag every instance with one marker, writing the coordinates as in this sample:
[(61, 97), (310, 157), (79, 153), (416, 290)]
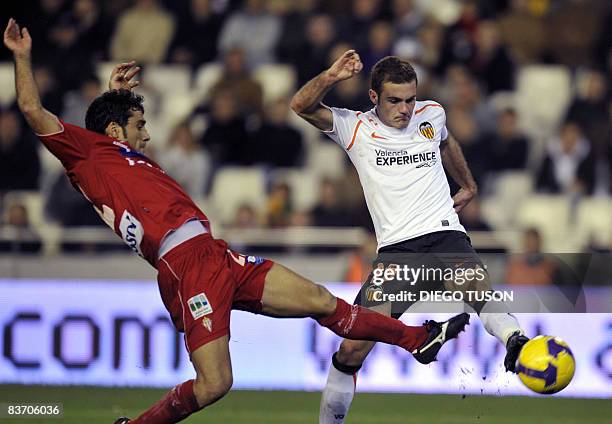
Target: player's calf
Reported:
[(208, 391), (352, 354)]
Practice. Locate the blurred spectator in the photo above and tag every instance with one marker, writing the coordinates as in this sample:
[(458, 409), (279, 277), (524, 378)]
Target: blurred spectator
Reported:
[(186, 162), (407, 18), (236, 79), (25, 239), (472, 219), (603, 48), (574, 27), (524, 33), (226, 138), (569, 164), (429, 46), (360, 262), (509, 147), (311, 57), (531, 267), (354, 26), (79, 37), (491, 63), (590, 110), (255, 30), (196, 37), (19, 161), (329, 210), (461, 91), (245, 218), (293, 33), (380, 41), (76, 102), (458, 46), (44, 15), (351, 197), (279, 207), (276, 142), (143, 33), (475, 149), (50, 94), (67, 206)]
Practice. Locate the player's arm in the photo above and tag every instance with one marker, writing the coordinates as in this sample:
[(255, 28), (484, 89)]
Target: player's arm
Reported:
[(307, 101), (20, 43), (455, 164)]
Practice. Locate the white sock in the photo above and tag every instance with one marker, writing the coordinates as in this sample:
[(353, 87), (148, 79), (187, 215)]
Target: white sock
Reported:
[(337, 397), (500, 325)]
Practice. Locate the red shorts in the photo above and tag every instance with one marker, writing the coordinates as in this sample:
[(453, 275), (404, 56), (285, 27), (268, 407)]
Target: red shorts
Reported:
[(201, 281)]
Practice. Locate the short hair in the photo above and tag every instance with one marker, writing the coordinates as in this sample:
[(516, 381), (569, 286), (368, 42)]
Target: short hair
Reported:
[(112, 106), (391, 69)]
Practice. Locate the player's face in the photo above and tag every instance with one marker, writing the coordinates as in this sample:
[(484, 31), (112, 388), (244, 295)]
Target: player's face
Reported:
[(395, 103), (136, 133)]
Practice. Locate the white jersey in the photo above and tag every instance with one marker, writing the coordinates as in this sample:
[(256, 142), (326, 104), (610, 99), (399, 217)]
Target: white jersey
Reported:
[(400, 171)]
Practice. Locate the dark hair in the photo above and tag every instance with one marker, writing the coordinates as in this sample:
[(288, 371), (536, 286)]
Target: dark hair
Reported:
[(391, 69), (112, 106)]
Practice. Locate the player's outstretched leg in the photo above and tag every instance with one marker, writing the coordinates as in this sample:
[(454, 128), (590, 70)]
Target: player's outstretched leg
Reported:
[(287, 294), (340, 387), (213, 381), (505, 327)]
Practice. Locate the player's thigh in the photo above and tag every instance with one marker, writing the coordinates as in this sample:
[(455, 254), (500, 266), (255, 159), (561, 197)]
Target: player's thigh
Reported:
[(456, 253), (287, 294), (213, 371)]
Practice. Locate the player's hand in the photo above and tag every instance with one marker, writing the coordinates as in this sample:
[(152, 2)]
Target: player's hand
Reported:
[(122, 76), (345, 67), (17, 40), (462, 198)]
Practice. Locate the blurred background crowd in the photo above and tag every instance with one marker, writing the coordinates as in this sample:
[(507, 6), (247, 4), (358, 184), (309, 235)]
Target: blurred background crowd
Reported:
[(525, 84)]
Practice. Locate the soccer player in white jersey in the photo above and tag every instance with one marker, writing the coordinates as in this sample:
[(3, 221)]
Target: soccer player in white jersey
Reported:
[(400, 149)]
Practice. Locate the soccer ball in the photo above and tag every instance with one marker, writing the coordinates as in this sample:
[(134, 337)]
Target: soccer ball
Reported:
[(546, 364)]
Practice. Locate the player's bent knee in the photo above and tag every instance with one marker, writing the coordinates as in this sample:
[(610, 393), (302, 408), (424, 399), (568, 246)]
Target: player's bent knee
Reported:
[(210, 390), (353, 352)]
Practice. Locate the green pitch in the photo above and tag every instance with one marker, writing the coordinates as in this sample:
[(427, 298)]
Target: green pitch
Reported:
[(94, 405)]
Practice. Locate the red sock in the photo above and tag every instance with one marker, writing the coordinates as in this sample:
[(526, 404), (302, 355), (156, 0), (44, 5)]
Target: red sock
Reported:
[(359, 323), (178, 404)]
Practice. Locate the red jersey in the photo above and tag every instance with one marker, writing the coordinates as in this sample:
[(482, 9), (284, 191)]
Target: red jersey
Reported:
[(132, 194)]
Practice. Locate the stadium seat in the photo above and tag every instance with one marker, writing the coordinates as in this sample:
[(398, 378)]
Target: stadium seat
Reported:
[(206, 76), (594, 222), (327, 159), (49, 232), (543, 93), (550, 215), (304, 186), (175, 108), (508, 188), (33, 202), (168, 79), (276, 80), (233, 186), (103, 71), (7, 84)]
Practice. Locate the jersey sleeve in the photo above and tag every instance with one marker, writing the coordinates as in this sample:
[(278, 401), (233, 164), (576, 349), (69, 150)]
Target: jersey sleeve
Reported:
[(444, 130), (344, 123), (70, 145)]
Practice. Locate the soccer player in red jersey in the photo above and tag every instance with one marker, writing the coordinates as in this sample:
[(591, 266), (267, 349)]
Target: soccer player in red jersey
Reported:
[(200, 279)]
